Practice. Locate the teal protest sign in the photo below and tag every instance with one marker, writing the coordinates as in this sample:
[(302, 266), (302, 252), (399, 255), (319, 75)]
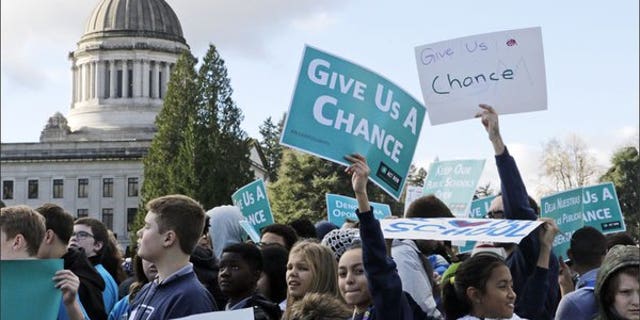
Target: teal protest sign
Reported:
[(478, 210), (566, 209), (341, 208), (596, 206), (254, 204), (248, 228), (340, 108), (601, 208), (454, 182), (27, 289)]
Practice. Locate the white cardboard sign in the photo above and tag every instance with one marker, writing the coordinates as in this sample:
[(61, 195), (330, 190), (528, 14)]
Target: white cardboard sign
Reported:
[(503, 69)]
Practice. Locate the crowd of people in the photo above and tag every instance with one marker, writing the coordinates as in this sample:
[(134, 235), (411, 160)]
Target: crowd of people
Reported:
[(188, 261)]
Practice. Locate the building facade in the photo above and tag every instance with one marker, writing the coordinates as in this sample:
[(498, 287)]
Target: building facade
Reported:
[(90, 162)]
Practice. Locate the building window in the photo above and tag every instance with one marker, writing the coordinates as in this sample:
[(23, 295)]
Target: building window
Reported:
[(107, 218), (150, 83), (107, 187), (58, 188), (32, 192), (7, 189), (132, 187), (107, 84), (82, 213), (131, 217), (160, 78), (83, 188)]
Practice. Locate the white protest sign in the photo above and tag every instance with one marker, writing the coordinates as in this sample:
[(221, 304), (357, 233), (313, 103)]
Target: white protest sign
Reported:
[(240, 314), (493, 230), (503, 69)]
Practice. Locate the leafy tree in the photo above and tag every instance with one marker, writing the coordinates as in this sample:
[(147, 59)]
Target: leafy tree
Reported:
[(625, 175), (271, 147), (568, 164), (303, 182), (483, 191), (416, 176)]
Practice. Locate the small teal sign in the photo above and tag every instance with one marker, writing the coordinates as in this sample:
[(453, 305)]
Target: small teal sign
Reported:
[(341, 208), (254, 204), (454, 182)]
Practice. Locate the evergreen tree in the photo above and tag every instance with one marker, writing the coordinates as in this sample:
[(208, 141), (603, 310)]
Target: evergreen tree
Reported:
[(199, 149), (303, 181), (222, 156), (271, 147)]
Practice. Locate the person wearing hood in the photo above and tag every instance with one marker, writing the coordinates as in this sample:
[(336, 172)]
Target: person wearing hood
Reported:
[(617, 291), (224, 227), (59, 227), (240, 269)]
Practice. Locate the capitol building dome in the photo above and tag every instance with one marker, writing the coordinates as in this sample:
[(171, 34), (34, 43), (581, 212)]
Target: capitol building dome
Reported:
[(121, 68)]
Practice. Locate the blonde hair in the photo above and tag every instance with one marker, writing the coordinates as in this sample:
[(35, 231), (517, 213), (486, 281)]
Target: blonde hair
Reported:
[(323, 266)]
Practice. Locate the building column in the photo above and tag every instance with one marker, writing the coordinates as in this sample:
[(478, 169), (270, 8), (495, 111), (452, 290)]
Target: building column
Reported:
[(100, 66), (125, 78), (113, 74), (83, 82), (74, 89), (145, 78), (155, 80), (167, 72), (137, 78), (92, 79)]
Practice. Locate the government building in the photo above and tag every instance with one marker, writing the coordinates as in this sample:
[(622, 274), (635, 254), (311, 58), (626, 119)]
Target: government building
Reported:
[(90, 162)]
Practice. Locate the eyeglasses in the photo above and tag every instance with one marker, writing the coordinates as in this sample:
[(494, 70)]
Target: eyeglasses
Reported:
[(82, 234), (495, 214)]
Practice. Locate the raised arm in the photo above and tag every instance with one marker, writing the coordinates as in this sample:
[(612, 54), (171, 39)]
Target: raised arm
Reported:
[(514, 194), (384, 282)]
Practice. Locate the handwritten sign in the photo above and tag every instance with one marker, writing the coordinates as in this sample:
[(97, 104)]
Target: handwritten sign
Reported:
[(494, 230), (504, 69), (339, 108), (27, 291), (454, 182), (254, 204), (478, 210), (340, 208), (595, 206)]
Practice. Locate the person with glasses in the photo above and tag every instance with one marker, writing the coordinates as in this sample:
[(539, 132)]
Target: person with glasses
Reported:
[(537, 288), (22, 230), (59, 227), (93, 237)]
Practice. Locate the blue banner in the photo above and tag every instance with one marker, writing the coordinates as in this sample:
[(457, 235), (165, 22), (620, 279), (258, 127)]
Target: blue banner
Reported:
[(340, 108)]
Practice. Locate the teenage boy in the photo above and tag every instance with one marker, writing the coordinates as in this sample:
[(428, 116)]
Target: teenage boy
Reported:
[(21, 232), (172, 227), (240, 269), (58, 230)]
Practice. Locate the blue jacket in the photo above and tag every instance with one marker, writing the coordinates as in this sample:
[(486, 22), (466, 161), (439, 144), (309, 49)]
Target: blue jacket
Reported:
[(581, 303), (110, 293), (537, 289), (180, 295), (62, 312), (389, 301)]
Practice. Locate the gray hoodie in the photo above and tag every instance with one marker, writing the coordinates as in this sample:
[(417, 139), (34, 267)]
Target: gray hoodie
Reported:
[(618, 257)]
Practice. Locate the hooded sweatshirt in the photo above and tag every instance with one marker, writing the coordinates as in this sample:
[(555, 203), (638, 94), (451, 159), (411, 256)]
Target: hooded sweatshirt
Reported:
[(91, 283), (224, 227), (618, 257)]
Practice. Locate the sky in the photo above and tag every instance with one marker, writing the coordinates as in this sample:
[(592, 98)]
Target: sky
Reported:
[(590, 50)]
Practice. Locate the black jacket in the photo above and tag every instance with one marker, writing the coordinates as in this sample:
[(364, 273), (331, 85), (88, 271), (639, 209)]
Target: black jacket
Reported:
[(205, 265), (91, 283), (263, 309)]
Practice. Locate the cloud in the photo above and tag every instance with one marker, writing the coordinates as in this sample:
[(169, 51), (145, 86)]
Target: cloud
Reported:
[(248, 26)]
